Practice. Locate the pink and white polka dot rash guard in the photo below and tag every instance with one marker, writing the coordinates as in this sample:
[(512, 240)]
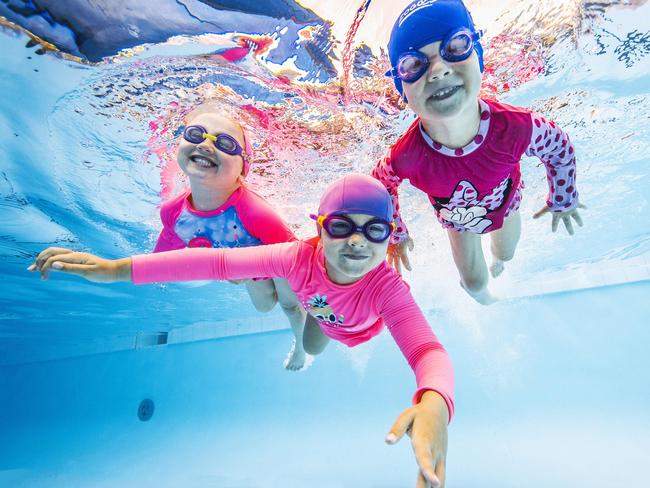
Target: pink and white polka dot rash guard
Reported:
[(351, 314), (476, 187)]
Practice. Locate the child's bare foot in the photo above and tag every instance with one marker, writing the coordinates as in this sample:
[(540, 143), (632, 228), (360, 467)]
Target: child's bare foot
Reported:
[(497, 267), (484, 297), (297, 359)]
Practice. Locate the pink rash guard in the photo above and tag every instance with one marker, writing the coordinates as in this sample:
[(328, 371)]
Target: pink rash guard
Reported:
[(476, 187), (351, 314), (245, 219)]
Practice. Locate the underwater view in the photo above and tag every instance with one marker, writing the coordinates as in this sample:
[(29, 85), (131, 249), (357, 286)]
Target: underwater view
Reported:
[(203, 384)]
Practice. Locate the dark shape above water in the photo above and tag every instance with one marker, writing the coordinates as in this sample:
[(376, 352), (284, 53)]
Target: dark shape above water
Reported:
[(316, 54), (362, 57), (279, 9), (95, 30)]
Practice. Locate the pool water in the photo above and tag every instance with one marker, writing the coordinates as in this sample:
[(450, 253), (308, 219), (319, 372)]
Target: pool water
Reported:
[(557, 396), (552, 381)]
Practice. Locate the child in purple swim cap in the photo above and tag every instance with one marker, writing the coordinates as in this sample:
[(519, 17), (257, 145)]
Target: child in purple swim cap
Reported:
[(464, 151), (345, 285)]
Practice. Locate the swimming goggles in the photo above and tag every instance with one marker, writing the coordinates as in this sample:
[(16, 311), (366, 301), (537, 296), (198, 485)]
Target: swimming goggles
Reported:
[(340, 227), (456, 47), (224, 142)]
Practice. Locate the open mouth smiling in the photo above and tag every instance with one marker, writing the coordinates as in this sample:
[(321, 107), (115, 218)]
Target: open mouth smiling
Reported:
[(444, 93), (203, 162)]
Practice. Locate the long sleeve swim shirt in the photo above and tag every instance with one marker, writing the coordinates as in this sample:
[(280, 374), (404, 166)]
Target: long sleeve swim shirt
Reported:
[(244, 219), (474, 188), (351, 314)]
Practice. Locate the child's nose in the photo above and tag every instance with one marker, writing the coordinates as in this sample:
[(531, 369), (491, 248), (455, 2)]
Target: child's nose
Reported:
[(357, 240), (438, 69), (207, 146)]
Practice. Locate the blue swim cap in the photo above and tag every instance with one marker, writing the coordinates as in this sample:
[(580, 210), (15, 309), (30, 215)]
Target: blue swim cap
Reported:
[(357, 194), (425, 21)]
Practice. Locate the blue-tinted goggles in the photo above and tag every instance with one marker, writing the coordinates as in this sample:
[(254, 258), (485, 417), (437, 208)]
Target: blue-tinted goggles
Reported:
[(196, 134), (340, 227), (456, 47)]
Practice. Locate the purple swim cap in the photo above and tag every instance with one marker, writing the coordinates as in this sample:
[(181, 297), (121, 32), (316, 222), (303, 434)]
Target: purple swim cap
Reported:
[(357, 194), (425, 21)]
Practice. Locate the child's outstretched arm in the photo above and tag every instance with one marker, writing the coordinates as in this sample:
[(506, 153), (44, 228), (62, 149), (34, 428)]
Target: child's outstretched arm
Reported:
[(426, 424), (183, 265), (83, 264), (426, 421), (401, 243), (552, 146)]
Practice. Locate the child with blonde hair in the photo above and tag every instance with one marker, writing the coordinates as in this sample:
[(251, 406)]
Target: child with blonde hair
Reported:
[(219, 210)]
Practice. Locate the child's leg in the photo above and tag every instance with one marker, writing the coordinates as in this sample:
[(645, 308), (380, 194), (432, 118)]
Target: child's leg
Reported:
[(313, 339), (296, 315), (504, 242), (263, 294), (468, 256)]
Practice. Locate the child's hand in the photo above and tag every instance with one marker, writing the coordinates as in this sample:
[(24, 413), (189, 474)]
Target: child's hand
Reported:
[(82, 264), (426, 424), (565, 216), (398, 255)]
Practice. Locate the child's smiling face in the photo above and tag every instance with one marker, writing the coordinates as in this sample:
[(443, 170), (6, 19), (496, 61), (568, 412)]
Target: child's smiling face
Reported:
[(447, 88), (204, 162), (349, 259)]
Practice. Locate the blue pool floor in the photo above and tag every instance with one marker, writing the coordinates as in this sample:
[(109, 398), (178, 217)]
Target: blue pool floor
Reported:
[(551, 391)]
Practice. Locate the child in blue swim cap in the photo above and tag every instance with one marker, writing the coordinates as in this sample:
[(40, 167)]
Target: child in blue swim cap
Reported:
[(420, 24), (464, 151)]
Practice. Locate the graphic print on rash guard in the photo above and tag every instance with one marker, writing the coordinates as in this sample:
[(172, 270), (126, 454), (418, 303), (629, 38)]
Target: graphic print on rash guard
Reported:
[(245, 219), (221, 230), (465, 209)]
